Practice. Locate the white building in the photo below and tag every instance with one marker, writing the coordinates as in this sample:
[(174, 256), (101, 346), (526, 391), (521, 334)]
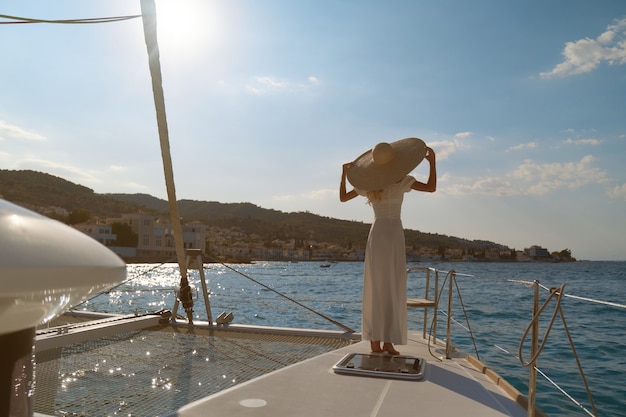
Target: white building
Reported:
[(100, 232), (155, 236)]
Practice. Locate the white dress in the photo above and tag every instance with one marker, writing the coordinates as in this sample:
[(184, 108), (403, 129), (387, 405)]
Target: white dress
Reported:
[(384, 311)]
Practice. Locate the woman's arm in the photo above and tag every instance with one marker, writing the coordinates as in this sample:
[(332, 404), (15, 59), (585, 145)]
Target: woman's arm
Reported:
[(343, 194), (431, 185)]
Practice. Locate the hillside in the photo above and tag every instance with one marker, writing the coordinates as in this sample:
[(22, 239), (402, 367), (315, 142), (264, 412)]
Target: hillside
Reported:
[(36, 189)]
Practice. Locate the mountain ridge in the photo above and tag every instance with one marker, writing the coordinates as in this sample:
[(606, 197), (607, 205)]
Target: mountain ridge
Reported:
[(37, 190)]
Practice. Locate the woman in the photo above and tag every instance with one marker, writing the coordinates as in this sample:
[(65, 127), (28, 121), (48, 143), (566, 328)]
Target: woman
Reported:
[(381, 175)]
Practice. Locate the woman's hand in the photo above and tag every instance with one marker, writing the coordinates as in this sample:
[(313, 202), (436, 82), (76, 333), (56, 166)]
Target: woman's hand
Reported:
[(344, 195), (430, 155), (346, 167), (431, 185)]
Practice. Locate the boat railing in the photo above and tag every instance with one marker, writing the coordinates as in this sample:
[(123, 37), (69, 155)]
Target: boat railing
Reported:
[(432, 301), (556, 295), (434, 289)]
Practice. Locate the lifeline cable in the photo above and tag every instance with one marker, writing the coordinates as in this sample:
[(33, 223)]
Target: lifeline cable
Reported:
[(550, 381), (576, 297)]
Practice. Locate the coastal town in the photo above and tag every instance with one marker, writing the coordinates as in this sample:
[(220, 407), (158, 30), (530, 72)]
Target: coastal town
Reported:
[(153, 242)]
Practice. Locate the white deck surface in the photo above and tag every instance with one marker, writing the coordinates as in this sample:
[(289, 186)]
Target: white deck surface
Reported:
[(311, 388)]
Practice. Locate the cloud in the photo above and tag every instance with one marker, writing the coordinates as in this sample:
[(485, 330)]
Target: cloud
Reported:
[(521, 146), (485, 186), (321, 195), (590, 141), (68, 172), (462, 135), (543, 178), (134, 186), (80, 176), (264, 85), (586, 54), (117, 168), (530, 178), (269, 85), (445, 148), (18, 133), (618, 192)]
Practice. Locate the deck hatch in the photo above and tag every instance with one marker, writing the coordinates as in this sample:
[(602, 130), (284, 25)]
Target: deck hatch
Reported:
[(381, 366)]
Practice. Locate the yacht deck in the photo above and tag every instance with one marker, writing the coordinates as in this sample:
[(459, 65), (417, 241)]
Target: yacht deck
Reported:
[(452, 387)]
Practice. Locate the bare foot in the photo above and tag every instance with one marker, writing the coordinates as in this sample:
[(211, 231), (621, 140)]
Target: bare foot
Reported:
[(388, 347), (375, 345)]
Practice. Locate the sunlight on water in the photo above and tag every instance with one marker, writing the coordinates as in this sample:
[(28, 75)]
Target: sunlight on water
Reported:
[(498, 310)]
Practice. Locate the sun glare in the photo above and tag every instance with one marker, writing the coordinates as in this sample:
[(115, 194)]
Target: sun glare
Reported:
[(186, 26)]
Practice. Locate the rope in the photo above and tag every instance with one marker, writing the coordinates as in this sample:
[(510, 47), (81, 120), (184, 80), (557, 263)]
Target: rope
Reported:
[(554, 293), (557, 294), (21, 20), (336, 323)]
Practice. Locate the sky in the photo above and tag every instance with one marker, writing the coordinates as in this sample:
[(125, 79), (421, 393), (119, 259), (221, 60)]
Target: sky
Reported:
[(524, 104)]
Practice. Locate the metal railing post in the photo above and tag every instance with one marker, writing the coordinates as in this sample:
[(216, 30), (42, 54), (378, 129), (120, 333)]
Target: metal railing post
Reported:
[(532, 378), (426, 296), (448, 329), (436, 306), (194, 260)]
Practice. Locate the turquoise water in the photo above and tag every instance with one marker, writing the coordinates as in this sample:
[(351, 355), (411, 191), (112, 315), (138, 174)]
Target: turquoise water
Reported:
[(498, 311)]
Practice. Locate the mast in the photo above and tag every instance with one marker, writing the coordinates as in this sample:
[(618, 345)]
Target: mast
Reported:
[(148, 11)]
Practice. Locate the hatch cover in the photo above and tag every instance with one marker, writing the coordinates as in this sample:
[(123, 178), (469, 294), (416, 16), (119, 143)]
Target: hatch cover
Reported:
[(381, 366)]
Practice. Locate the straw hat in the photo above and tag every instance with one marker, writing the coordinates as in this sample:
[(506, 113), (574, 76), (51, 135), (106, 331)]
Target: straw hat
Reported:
[(386, 164)]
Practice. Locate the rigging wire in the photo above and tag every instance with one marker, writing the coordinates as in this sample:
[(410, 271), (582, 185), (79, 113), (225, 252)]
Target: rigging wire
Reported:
[(26, 20), (336, 323)]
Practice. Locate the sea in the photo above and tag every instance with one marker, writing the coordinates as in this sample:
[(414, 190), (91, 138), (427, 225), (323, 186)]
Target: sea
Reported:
[(492, 307)]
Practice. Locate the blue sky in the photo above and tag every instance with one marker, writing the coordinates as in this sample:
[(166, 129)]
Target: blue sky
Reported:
[(524, 104)]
